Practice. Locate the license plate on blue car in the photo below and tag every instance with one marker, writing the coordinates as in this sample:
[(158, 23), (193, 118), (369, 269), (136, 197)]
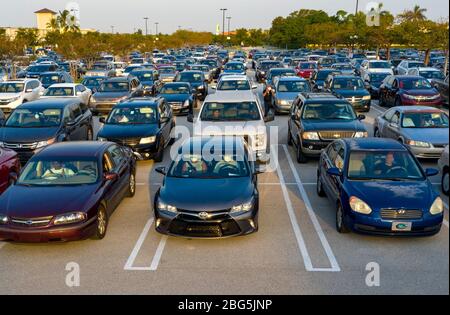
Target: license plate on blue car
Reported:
[(402, 226)]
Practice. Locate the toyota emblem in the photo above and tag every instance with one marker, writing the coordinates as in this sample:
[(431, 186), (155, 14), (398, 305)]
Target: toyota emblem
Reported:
[(203, 215)]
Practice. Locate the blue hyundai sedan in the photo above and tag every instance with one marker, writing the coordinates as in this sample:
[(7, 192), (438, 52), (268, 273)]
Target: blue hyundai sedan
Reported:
[(379, 187)]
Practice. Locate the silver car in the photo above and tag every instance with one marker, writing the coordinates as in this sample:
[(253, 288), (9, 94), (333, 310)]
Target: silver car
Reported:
[(443, 166), (423, 129)]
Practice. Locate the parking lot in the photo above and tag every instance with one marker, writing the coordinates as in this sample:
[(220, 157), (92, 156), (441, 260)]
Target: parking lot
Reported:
[(296, 251)]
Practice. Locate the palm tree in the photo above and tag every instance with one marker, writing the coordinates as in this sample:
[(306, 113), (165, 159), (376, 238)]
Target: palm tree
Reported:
[(53, 24), (414, 15)]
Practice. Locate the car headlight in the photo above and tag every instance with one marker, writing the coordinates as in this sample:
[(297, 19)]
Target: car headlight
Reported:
[(13, 99), (359, 206), (148, 140), (310, 136), (437, 207), (165, 207), (283, 102), (361, 134), (92, 100), (260, 140), (367, 98), (69, 218), (245, 207), (4, 219), (411, 97), (186, 103), (421, 144), (102, 139), (42, 144)]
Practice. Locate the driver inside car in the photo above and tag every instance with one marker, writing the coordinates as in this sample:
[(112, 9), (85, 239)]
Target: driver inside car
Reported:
[(389, 163), (57, 169)]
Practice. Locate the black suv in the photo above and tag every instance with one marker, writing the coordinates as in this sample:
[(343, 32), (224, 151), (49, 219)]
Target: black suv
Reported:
[(35, 125), (54, 77), (114, 90), (316, 119)]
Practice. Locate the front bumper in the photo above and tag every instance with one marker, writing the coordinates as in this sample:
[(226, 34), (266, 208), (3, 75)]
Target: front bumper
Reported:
[(433, 103), (314, 148), (188, 225), (67, 233), (376, 225), (426, 153), (362, 105)]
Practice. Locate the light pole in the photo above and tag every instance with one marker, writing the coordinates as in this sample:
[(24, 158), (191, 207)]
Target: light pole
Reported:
[(229, 23), (146, 25), (357, 7), (223, 24), (112, 29), (156, 24)]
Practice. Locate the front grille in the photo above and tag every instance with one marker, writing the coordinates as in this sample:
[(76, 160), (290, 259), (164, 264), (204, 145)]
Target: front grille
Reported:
[(20, 146), (333, 135), (31, 222), (400, 214), (206, 229), (126, 141), (439, 145), (354, 100)]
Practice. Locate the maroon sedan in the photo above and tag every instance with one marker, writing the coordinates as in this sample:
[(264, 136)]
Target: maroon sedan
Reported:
[(9, 168), (66, 192), (306, 69)]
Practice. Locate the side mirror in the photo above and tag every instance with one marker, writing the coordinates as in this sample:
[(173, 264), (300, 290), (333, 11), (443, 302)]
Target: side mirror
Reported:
[(161, 170), (334, 172), (102, 120), (361, 117), (190, 118), (269, 117), (28, 90), (110, 177), (430, 172)]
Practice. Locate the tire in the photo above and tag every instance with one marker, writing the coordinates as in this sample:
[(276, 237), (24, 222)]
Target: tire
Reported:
[(444, 182), (319, 187), (160, 154), (102, 224), (301, 158), (131, 191), (289, 138), (341, 226)]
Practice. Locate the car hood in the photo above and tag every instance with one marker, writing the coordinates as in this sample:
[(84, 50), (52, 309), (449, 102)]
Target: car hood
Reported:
[(127, 131), (229, 128), (354, 125), (8, 96), (408, 195), (109, 95), (147, 83), (431, 135), (351, 93), (375, 70), (175, 97), (27, 135), (422, 92), (216, 194), (290, 96), (46, 201)]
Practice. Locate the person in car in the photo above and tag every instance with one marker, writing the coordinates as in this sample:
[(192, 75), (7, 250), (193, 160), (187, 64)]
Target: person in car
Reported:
[(389, 164), (57, 170)]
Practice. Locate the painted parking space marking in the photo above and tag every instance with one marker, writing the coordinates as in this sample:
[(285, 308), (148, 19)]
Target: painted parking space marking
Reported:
[(325, 244), (137, 248), (158, 254)]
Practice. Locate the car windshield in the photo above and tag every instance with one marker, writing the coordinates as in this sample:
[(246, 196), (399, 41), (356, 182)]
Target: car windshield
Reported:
[(200, 68), (348, 84), (269, 65), (279, 73), (342, 67), (415, 84), (131, 69), (167, 70), (416, 65), (243, 111), (425, 120), (328, 111), (34, 118), (378, 77), (41, 68), (305, 66), (432, 75), (383, 165), (380, 65), (145, 76), (293, 86), (59, 172), (213, 167), (322, 75), (175, 89), (49, 79), (114, 87), (233, 85), (132, 115), (93, 82), (234, 66), (11, 87), (100, 66), (190, 77), (59, 91)]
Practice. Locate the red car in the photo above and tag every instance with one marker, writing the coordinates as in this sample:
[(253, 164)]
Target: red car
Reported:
[(306, 69), (9, 168)]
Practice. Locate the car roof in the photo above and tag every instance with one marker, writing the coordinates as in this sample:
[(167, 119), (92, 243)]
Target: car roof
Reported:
[(385, 144), (235, 96), (427, 109), (74, 149), (64, 85), (197, 143), (428, 69), (117, 79), (233, 77), (53, 102), (291, 79)]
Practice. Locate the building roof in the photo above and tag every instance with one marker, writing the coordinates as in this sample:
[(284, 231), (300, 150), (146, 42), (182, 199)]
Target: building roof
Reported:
[(45, 10)]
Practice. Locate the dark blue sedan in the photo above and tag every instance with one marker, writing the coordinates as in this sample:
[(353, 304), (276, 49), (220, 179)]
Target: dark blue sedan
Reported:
[(378, 187), (179, 96)]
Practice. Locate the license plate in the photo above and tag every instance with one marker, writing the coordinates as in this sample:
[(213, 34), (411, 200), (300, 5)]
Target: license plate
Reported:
[(402, 226)]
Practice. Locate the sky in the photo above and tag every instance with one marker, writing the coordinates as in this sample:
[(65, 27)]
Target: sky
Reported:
[(199, 15)]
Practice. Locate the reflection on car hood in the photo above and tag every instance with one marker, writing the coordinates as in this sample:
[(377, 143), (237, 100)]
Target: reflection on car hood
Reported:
[(431, 135), (109, 95), (351, 93), (175, 97), (27, 135), (110, 131), (47, 201), (397, 195), (287, 95), (206, 194), (422, 92), (334, 125)]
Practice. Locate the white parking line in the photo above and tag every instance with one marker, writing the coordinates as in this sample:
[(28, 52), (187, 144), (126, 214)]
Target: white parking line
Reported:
[(137, 248), (334, 264), (158, 254)]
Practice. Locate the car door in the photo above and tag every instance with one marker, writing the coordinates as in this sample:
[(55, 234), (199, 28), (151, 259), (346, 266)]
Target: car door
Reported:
[(70, 123), (122, 169), (326, 163), (392, 129), (337, 162), (392, 93), (165, 122), (295, 125), (383, 122)]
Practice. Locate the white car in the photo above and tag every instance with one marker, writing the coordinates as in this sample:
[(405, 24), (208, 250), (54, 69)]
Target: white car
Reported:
[(69, 90), (371, 55), (16, 92), (237, 113), (234, 83), (119, 68), (428, 73), (375, 66), (405, 65)]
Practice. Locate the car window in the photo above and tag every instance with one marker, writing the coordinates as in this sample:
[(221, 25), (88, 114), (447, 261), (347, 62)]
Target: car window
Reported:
[(116, 155), (396, 118), (388, 115), (75, 111), (338, 160), (108, 164)]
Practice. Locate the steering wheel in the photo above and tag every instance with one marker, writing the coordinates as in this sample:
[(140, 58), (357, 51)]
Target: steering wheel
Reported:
[(228, 169), (398, 171)]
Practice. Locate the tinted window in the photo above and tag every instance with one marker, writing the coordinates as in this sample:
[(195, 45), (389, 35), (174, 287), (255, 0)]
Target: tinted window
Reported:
[(34, 118), (230, 111)]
